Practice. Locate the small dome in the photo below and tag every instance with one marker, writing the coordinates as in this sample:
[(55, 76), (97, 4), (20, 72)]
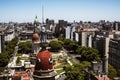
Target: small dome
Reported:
[(44, 60), (35, 37)]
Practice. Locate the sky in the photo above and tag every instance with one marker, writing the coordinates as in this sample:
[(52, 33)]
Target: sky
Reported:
[(70, 10)]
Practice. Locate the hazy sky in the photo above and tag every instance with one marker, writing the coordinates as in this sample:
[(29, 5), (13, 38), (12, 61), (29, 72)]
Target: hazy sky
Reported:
[(70, 10)]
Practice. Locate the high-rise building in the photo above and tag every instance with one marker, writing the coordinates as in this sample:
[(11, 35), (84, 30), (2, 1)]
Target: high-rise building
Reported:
[(84, 38), (60, 28), (114, 53), (48, 23), (90, 41), (67, 32), (2, 42), (103, 50)]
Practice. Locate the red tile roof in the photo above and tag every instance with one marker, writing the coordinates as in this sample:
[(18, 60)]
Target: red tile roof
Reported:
[(44, 61), (23, 75)]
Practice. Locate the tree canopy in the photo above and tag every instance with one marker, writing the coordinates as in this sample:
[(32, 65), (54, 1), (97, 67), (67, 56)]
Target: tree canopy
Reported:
[(9, 50), (112, 71), (88, 54), (70, 45), (77, 71), (4, 58), (25, 47), (55, 45)]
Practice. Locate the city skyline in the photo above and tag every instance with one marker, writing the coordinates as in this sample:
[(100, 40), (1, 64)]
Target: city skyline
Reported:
[(70, 10)]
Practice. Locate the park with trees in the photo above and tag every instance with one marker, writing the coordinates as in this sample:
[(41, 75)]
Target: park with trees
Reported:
[(88, 55), (7, 53)]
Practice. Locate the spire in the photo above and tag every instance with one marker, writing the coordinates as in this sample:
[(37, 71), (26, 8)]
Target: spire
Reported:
[(43, 14)]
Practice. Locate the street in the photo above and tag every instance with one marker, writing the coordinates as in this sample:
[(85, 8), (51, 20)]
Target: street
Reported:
[(74, 56)]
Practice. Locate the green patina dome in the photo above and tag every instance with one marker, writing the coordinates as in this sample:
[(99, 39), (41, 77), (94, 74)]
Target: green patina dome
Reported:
[(36, 20)]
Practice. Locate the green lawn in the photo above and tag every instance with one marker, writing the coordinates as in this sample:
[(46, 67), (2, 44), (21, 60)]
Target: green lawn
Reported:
[(25, 58), (61, 65), (59, 71), (18, 54), (72, 61)]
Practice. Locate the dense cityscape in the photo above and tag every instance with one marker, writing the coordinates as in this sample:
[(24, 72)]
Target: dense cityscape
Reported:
[(91, 47), (78, 42)]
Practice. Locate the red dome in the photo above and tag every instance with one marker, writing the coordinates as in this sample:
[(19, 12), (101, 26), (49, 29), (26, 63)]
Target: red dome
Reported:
[(44, 61), (35, 36)]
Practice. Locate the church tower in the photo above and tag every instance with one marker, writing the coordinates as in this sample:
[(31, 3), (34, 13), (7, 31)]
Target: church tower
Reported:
[(42, 58), (35, 42), (36, 38)]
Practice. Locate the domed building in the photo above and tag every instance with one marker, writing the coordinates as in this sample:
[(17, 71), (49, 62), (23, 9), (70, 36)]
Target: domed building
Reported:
[(35, 37), (44, 67), (35, 43), (44, 60), (36, 25), (36, 21)]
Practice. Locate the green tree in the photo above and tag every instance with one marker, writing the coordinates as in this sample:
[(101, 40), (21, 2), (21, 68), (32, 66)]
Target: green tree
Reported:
[(80, 49), (1, 69), (25, 47), (11, 45), (9, 50), (72, 46), (88, 54), (77, 71), (61, 42), (4, 59), (67, 42), (55, 45), (112, 71), (60, 38), (118, 72), (18, 60)]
